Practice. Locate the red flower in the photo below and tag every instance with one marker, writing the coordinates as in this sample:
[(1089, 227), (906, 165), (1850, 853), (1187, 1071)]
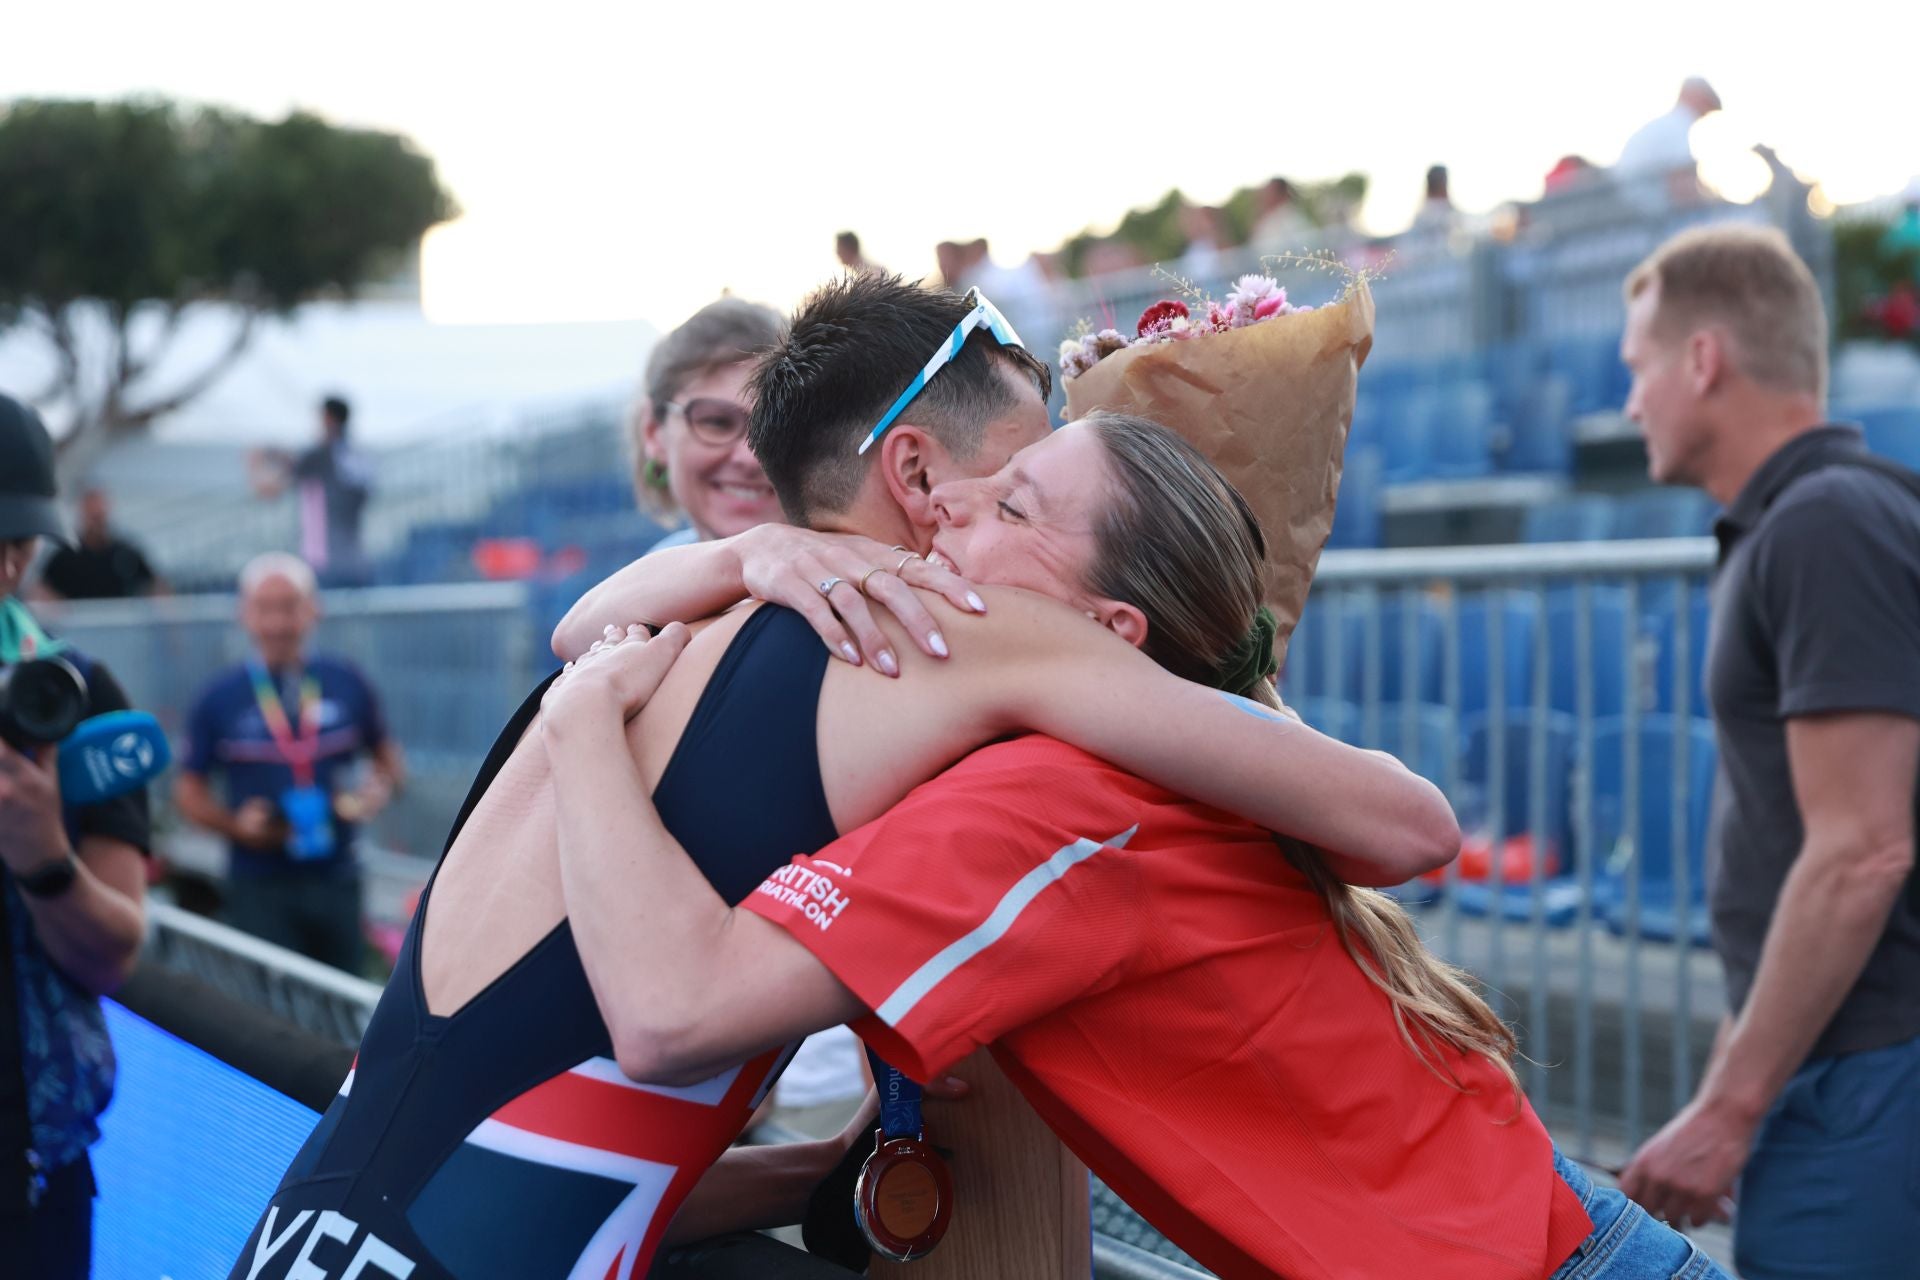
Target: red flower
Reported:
[(1159, 317)]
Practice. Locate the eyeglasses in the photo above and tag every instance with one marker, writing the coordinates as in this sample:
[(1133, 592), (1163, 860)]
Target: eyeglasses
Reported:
[(713, 421), (982, 313)]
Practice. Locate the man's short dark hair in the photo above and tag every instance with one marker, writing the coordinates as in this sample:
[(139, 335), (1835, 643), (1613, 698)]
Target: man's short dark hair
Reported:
[(852, 348), (337, 411), (847, 240)]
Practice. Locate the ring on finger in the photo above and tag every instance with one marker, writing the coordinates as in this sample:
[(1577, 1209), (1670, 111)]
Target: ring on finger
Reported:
[(907, 559), (827, 585), (861, 586)]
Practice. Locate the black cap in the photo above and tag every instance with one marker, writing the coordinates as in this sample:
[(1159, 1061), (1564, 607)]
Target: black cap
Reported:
[(29, 505)]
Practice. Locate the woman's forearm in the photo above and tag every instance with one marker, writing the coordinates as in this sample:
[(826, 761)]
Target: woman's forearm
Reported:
[(679, 584), (1378, 822)]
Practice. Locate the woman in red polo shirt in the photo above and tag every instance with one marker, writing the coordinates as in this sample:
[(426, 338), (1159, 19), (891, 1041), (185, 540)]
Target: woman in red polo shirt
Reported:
[(1280, 1097)]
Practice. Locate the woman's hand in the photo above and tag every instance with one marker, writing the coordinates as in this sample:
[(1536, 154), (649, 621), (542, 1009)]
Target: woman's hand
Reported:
[(614, 678), (785, 565)]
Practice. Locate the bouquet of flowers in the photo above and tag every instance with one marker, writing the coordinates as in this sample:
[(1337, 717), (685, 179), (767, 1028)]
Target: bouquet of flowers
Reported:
[(1253, 299), (1263, 387)]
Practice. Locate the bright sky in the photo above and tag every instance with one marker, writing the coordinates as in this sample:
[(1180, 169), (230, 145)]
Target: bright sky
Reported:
[(631, 161)]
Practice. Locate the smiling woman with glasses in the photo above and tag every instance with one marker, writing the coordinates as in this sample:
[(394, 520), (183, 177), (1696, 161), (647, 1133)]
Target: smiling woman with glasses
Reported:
[(690, 424)]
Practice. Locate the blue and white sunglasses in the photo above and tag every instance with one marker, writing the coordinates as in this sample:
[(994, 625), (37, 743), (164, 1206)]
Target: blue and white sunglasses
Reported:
[(983, 313)]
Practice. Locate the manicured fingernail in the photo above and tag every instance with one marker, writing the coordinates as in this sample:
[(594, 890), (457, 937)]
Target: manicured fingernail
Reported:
[(850, 653), (979, 605), (886, 663), (937, 642)]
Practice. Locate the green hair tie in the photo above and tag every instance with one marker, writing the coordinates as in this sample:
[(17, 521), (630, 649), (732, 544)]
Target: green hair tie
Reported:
[(1252, 660)]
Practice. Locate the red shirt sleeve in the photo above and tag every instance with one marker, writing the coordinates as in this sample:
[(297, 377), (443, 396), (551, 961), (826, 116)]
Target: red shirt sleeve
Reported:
[(990, 896)]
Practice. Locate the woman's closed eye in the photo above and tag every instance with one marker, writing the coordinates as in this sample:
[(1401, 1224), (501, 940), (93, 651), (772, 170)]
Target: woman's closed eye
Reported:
[(1007, 509)]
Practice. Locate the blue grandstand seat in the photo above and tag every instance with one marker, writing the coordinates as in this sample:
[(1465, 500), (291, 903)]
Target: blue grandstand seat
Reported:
[(1608, 638), (1320, 655), (1406, 438), (1664, 513), (1560, 893), (1429, 749), (1356, 516), (1625, 847), (1597, 379), (1514, 735), (1664, 632), (1519, 614), (1893, 431), (1581, 517), (1461, 428), (1540, 428), (1331, 716)]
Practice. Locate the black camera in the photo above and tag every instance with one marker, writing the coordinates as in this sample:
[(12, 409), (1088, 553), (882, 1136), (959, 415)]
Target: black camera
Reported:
[(42, 700)]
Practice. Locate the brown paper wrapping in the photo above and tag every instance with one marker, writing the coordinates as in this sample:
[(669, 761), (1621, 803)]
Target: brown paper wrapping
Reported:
[(1270, 404)]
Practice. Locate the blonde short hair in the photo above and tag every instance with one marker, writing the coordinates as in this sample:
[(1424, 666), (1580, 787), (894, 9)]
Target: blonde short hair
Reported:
[(1748, 282)]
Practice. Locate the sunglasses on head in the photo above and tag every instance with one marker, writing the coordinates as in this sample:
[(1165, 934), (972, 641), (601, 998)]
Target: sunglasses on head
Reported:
[(981, 314), (712, 421)]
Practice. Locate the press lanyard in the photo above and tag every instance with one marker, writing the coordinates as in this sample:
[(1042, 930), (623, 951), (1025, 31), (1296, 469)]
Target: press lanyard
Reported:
[(301, 750)]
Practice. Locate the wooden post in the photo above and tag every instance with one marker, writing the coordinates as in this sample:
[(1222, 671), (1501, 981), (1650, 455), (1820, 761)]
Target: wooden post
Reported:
[(1021, 1210)]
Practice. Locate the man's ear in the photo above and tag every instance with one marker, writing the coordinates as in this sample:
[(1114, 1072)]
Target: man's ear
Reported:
[(1707, 359), (909, 456), (1123, 619)]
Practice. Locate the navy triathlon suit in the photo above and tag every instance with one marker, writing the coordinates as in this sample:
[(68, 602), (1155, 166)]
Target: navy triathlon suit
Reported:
[(503, 1141)]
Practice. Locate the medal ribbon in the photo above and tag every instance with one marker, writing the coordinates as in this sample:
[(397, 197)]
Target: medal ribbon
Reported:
[(899, 1100), (298, 750)]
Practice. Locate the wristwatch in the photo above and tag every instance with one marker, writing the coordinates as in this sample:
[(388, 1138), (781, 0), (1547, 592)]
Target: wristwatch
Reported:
[(52, 880)]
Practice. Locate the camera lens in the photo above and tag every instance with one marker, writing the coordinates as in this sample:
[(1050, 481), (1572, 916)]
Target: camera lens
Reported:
[(44, 698)]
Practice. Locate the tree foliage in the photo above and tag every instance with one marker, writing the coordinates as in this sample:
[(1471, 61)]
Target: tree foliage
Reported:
[(1155, 233), (117, 217)]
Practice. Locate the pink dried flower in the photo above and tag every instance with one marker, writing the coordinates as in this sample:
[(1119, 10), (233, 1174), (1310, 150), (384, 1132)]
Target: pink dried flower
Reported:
[(1219, 318), (1108, 341), (1248, 293), (1274, 304), (1075, 358)]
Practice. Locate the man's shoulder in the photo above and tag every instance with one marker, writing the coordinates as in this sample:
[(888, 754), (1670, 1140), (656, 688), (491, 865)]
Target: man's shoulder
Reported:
[(1841, 507), (1031, 756)]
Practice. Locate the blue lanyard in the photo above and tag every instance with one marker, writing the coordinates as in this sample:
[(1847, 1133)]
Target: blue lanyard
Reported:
[(899, 1100)]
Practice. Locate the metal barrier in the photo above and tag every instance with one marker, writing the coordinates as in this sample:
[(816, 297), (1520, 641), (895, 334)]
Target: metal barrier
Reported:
[(316, 997), (450, 664), (1552, 693)]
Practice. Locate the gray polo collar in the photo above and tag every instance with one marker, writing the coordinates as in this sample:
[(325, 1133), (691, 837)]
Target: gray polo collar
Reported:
[(1809, 451)]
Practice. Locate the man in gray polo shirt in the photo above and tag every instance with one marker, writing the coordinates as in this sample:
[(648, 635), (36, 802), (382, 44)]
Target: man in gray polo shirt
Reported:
[(1812, 1098)]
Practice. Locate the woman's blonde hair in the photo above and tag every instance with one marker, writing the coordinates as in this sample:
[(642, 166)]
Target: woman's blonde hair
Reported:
[(727, 332), (1179, 543)]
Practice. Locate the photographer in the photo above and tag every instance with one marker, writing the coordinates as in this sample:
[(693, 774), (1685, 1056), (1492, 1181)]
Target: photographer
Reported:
[(71, 920)]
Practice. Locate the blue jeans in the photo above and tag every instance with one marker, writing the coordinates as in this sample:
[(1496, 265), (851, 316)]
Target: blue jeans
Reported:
[(1833, 1186), (1626, 1243)]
